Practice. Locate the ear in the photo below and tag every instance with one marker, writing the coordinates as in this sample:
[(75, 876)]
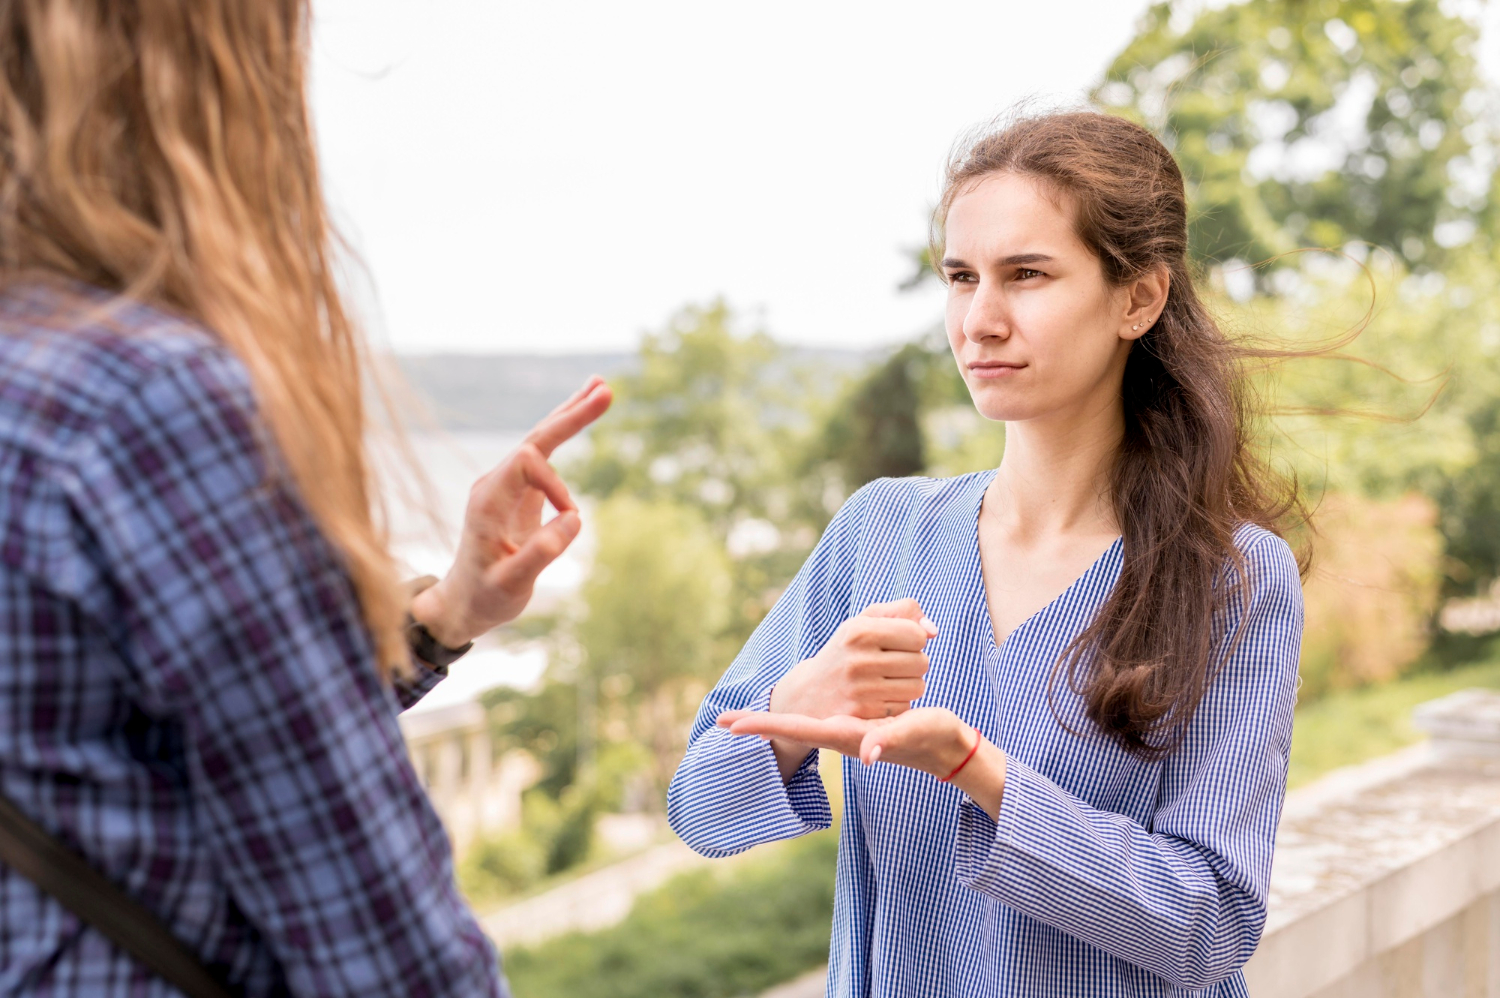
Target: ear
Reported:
[(1145, 298)]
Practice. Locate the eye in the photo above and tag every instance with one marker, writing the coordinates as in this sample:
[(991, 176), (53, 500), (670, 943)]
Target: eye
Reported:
[(1026, 273), (961, 277)]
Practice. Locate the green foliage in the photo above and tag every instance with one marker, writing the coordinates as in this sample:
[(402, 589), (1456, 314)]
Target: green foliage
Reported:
[(544, 723), (656, 598), (655, 612), (1353, 726), (703, 423), (762, 921), (556, 834), (501, 866), (1418, 412), (1469, 506), (876, 430), (720, 421), (1315, 122)]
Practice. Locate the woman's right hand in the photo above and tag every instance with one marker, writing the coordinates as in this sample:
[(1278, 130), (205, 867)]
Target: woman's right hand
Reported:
[(873, 666)]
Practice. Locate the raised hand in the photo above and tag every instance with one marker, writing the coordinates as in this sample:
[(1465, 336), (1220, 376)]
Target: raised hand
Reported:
[(505, 545), (871, 667)]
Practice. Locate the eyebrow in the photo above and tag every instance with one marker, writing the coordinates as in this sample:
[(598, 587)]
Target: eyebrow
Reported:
[(1009, 261)]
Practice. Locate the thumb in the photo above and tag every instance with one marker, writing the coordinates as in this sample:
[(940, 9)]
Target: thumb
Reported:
[(521, 569), (904, 609)]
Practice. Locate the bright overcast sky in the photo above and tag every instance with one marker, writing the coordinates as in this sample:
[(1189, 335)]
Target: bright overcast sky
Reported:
[(555, 178)]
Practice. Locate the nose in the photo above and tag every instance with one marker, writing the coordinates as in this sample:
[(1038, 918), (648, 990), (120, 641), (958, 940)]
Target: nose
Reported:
[(988, 315)]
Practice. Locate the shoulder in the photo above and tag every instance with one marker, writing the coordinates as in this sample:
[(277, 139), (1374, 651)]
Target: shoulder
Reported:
[(1267, 556), (1270, 571), (76, 362), (896, 500)]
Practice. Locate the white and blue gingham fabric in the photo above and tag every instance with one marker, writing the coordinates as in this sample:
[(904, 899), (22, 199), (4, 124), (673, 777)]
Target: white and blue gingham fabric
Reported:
[(1105, 875)]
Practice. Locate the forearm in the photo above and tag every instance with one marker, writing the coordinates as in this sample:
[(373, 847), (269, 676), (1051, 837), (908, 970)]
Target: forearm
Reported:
[(1152, 900)]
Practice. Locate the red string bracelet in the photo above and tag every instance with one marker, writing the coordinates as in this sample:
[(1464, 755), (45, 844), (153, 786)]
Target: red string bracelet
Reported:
[(977, 739)]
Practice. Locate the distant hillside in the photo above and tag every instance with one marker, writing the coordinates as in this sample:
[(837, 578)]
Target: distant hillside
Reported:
[(504, 392)]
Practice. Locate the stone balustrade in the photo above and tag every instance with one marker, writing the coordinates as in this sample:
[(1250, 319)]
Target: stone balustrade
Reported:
[(1387, 875)]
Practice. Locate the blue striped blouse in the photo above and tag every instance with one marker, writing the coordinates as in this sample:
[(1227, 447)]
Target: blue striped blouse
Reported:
[(1105, 875)]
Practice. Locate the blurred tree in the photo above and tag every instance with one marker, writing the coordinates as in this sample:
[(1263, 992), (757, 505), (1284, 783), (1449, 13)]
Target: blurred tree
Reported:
[(727, 423), (656, 605), (705, 422), (1316, 122), (876, 430)]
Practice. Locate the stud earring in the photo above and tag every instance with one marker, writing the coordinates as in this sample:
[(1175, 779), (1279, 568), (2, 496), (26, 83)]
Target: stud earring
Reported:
[(1136, 326)]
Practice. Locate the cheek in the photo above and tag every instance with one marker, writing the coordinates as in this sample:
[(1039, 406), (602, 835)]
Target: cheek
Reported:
[(955, 311), (1069, 334)]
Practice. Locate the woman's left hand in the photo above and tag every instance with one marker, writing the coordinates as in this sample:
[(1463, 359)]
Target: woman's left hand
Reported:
[(505, 545)]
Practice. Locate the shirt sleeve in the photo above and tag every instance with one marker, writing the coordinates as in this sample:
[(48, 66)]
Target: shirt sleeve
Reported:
[(1186, 897), (419, 681), (727, 794), (238, 624)]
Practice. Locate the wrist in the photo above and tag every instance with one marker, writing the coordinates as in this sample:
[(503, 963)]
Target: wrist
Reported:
[(982, 779), (431, 609)]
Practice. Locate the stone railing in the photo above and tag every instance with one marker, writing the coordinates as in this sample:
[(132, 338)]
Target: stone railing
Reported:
[(1387, 875)]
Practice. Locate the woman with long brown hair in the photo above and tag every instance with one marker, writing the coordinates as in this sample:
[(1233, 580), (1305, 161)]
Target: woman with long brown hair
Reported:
[(1063, 687), (205, 638)]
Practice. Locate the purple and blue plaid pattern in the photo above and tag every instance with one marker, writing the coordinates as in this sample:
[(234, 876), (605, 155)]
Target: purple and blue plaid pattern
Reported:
[(188, 694)]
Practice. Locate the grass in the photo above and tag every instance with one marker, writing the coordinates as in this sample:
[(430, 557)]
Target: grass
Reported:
[(1341, 729), (706, 934)]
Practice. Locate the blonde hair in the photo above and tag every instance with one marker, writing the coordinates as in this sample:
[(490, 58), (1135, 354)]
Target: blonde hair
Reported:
[(162, 149)]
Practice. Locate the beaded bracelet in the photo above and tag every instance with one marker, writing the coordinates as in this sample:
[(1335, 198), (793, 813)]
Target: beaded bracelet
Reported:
[(977, 739)]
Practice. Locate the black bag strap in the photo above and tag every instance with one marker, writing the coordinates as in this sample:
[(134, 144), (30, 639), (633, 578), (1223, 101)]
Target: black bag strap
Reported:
[(35, 854)]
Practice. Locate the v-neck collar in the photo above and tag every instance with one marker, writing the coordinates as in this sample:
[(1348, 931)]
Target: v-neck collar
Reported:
[(975, 504)]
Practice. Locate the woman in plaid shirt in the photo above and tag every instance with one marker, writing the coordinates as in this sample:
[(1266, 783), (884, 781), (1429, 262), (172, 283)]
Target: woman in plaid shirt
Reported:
[(201, 625)]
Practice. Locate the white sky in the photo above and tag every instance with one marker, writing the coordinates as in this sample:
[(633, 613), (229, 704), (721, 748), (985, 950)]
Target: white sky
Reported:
[(556, 178), (559, 177)]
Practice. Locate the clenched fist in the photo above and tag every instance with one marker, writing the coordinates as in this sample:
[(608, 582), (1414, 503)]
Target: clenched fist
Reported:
[(873, 666)]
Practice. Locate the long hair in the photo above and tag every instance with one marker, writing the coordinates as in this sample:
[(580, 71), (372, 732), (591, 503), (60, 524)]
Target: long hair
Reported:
[(1187, 476), (162, 150)]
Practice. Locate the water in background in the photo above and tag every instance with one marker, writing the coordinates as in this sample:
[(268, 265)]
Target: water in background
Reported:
[(452, 463)]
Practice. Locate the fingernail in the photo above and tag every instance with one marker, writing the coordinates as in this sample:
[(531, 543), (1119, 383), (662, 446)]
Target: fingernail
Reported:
[(875, 754), (929, 625)]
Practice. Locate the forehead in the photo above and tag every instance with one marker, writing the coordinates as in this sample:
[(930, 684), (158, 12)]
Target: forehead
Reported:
[(1006, 213)]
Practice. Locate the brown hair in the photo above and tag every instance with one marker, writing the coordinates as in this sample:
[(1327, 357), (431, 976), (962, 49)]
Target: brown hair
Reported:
[(162, 149), (1186, 476)]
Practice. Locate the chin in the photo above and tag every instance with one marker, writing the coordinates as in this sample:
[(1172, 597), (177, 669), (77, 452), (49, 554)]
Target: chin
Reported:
[(1001, 406)]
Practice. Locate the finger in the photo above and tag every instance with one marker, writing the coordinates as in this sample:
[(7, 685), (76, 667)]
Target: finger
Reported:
[(572, 400), (727, 718), (571, 417), (840, 734), (901, 689), (902, 666), (878, 741), (524, 469), (908, 609), (519, 571), (888, 634)]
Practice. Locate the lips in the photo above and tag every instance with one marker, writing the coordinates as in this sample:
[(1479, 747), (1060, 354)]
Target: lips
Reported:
[(994, 369)]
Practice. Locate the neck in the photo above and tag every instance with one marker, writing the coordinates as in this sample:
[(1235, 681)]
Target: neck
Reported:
[(1054, 477)]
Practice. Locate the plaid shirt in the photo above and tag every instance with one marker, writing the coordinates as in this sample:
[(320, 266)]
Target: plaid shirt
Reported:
[(189, 695)]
